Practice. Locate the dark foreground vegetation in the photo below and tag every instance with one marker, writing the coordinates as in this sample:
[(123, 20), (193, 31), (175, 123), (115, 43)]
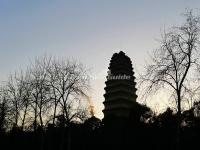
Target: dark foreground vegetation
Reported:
[(143, 130)]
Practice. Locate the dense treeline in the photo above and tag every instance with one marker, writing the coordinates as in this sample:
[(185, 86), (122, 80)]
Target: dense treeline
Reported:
[(143, 130)]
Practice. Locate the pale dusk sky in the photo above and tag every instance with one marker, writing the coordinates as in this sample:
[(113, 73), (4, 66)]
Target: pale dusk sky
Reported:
[(87, 30)]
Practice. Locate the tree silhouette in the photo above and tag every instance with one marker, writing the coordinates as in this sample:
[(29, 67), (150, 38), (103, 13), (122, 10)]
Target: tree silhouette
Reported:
[(4, 110), (175, 60), (49, 88)]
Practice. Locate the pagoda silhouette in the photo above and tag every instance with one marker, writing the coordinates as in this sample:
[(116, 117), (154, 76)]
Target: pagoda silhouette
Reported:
[(120, 91), (120, 102)]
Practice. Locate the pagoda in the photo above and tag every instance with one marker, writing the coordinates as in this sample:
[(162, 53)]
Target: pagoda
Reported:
[(120, 91)]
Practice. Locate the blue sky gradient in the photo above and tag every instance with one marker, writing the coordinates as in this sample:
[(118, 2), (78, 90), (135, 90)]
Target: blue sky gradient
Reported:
[(86, 30)]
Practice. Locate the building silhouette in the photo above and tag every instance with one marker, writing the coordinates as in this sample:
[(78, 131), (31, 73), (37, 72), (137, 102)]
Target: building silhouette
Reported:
[(120, 92), (120, 102)]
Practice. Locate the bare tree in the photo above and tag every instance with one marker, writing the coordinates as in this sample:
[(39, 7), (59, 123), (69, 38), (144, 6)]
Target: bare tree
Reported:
[(15, 94), (18, 94), (68, 80), (4, 109), (49, 88), (26, 98), (174, 63), (57, 87), (52, 81), (39, 88)]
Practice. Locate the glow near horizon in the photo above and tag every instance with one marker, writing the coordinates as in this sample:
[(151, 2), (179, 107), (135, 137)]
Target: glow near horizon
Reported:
[(89, 31)]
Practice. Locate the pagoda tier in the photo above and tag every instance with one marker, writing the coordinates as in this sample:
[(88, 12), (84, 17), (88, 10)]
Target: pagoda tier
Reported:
[(120, 92)]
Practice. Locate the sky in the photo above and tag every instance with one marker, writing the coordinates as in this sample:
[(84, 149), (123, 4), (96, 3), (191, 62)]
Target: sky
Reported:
[(89, 31)]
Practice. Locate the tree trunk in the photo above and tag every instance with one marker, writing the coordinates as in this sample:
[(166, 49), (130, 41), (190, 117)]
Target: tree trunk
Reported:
[(16, 114), (54, 113), (35, 119), (179, 122), (24, 117), (41, 121)]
